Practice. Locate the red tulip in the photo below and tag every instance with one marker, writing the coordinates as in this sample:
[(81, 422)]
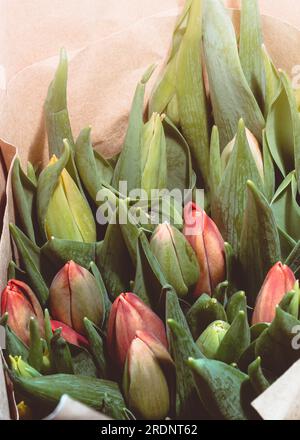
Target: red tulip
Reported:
[(19, 301), (69, 334), (74, 294), (208, 244), (128, 315), (279, 281)]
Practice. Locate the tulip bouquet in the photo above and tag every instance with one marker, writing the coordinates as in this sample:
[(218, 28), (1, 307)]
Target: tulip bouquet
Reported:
[(171, 307)]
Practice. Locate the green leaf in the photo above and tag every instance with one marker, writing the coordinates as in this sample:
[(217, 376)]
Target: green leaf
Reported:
[(215, 166), (257, 377), (102, 395), (219, 386), (92, 167), (283, 129), (59, 252), (250, 49), (24, 192), (57, 116), (30, 256), (285, 207), (114, 261), (231, 96), (269, 171), (179, 163), (272, 81), (129, 228), (128, 167), (190, 91), (236, 340), (107, 303), (97, 348), (149, 279), (228, 209), (293, 260), (82, 361), (260, 247), (274, 345), (165, 87)]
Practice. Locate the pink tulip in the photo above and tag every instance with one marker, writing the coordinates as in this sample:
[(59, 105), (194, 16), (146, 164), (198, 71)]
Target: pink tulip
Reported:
[(74, 294), (128, 315), (279, 281), (21, 304), (69, 334), (208, 244)]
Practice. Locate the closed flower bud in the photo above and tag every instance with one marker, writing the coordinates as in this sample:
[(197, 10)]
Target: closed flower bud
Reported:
[(208, 244), (254, 148), (68, 215), (128, 315), (279, 281), (154, 155), (19, 301), (74, 294), (69, 334), (145, 380), (176, 257), (210, 340)]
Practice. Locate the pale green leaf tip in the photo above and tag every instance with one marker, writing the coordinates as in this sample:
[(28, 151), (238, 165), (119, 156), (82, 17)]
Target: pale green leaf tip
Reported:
[(191, 361), (147, 75)]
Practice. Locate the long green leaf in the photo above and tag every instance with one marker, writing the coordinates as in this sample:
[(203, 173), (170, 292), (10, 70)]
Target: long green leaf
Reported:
[(260, 247), (190, 91), (250, 49), (285, 207), (128, 167), (231, 95), (230, 201), (283, 129), (24, 191)]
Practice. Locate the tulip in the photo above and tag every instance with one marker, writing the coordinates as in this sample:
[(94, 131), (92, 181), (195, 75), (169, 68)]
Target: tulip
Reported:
[(210, 340), (68, 215), (21, 304), (206, 240), (24, 411), (279, 281), (154, 155), (128, 315), (145, 379), (74, 294), (22, 369), (69, 334), (254, 148), (176, 257)]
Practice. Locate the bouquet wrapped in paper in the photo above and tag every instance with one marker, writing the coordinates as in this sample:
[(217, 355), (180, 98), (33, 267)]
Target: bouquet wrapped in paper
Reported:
[(150, 264)]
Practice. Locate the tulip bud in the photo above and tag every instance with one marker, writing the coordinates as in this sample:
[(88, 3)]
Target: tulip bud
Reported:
[(19, 301), (210, 340), (128, 315), (24, 411), (22, 369), (154, 155), (74, 294), (254, 148), (69, 334), (68, 215), (279, 281), (176, 258), (206, 240), (145, 383)]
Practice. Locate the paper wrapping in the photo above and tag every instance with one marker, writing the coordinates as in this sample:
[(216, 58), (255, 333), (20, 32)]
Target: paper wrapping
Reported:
[(110, 45)]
